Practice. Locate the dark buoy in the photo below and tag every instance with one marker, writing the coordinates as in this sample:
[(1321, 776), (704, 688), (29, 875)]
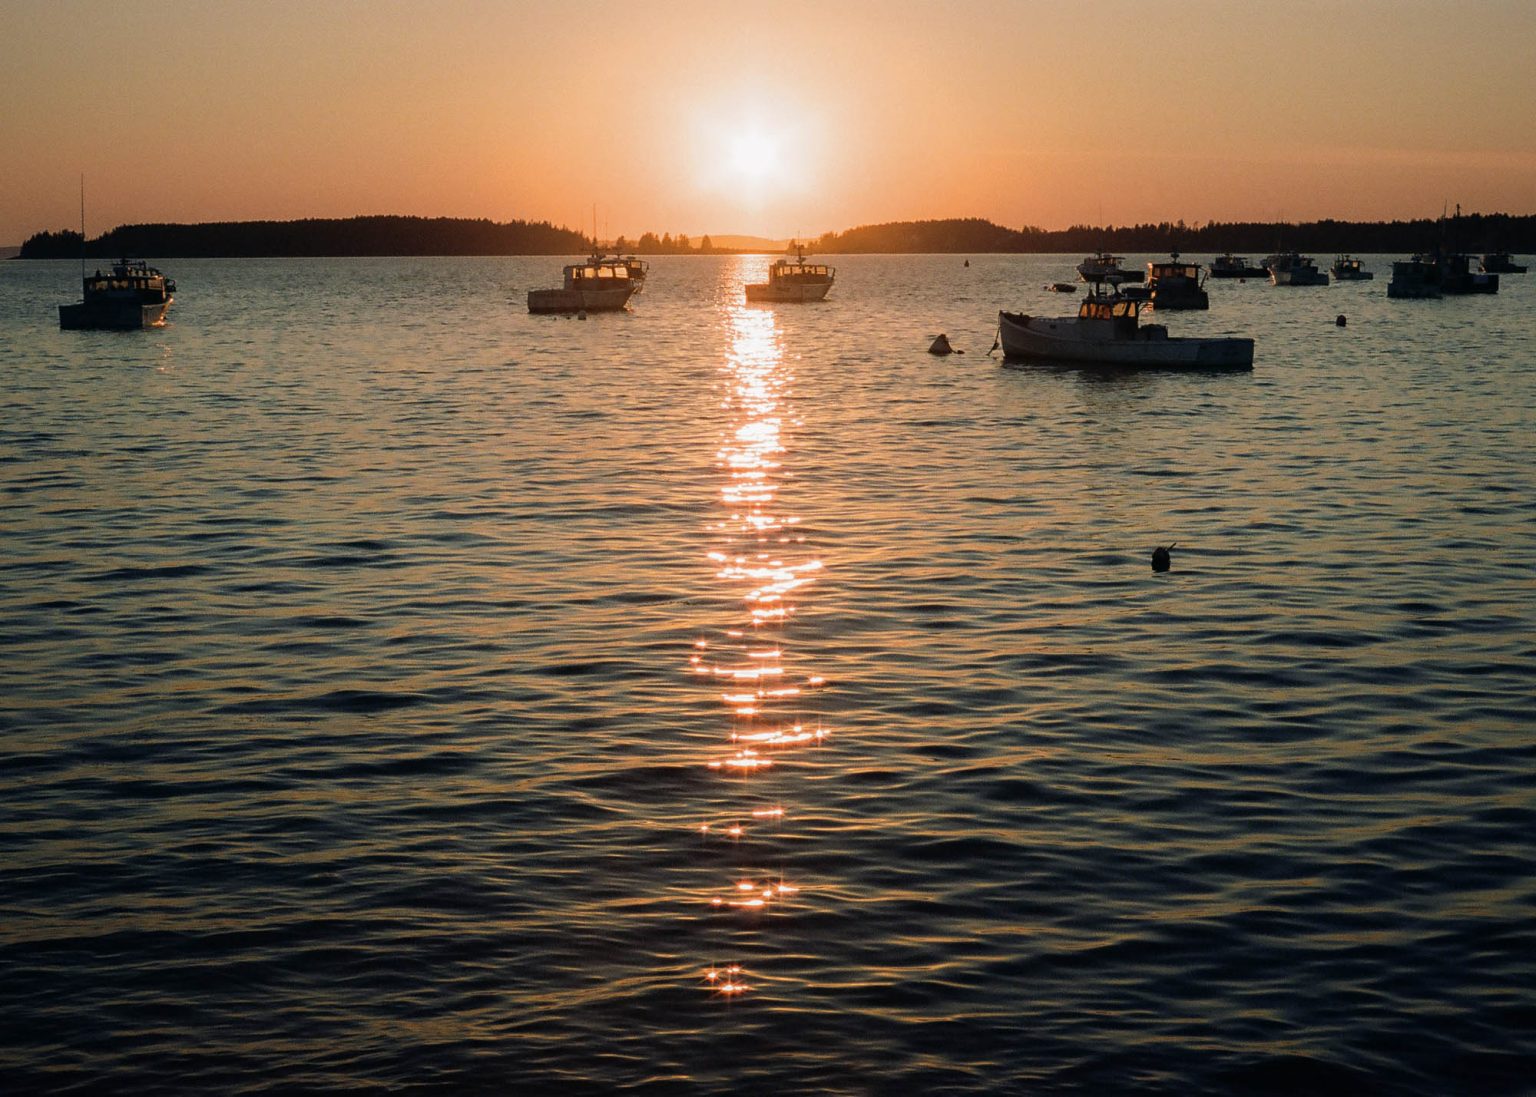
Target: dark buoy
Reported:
[(941, 346), (1341, 321), (967, 262), (1160, 559)]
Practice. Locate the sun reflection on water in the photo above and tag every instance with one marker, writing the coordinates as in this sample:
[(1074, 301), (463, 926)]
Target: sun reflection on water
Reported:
[(764, 691)]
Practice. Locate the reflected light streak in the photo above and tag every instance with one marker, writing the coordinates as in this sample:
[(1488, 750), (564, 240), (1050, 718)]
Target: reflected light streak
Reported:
[(755, 557)]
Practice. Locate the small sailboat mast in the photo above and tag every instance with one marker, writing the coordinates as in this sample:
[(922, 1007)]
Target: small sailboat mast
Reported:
[(82, 226)]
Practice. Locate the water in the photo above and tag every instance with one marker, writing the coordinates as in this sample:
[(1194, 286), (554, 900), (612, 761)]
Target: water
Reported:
[(367, 644)]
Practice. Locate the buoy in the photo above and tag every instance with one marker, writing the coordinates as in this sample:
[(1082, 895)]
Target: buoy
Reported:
[(582, 315), (941, 345), (1341, 321), (967, 262), (1160, 559)]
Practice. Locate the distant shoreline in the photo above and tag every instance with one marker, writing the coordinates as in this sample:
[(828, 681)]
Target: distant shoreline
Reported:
[(388, 236)]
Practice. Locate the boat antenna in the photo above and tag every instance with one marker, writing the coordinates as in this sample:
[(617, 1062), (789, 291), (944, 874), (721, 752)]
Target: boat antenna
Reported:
[(82, 226)]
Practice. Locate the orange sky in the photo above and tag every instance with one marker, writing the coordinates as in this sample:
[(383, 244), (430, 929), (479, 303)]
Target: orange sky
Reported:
[(775, 119)]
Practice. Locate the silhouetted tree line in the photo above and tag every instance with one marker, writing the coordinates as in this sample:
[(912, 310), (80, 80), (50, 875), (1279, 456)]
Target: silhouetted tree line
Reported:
[(667, 244), (316, 237), (1473, 232)]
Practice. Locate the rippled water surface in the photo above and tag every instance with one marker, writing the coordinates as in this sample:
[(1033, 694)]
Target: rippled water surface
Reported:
[(402, 693)]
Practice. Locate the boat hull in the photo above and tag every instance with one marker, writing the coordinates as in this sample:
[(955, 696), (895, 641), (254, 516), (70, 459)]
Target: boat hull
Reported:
[(1164, 300), (1471, 283), (763, 292), (1354, 276), (579, 300), (112, 315), (1059, 340)]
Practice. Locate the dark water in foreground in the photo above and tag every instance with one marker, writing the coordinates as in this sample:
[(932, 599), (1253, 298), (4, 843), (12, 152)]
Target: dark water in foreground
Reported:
[(367, 644)]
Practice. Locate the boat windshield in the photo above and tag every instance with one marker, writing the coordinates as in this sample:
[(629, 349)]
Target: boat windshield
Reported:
[(598, 272), (800, 271), (1107, 310)]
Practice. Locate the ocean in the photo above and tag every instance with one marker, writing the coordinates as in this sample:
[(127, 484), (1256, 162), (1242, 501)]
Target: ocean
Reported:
[(405, 694)]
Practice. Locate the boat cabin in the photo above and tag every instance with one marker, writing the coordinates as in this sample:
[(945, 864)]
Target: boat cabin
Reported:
[(637, 267), (130, 278), (604, 274), (1173, 269), (1114, 317), (785, 273)]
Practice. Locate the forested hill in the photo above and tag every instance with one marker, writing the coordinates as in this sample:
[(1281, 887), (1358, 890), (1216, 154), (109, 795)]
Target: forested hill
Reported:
[(1470, 232), (352, 236), (457, 236)]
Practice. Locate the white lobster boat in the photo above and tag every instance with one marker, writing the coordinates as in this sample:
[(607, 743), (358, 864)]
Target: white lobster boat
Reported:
[(1107, 331), (598, 285), (793, 281), (1103, 267), (1293, 269)]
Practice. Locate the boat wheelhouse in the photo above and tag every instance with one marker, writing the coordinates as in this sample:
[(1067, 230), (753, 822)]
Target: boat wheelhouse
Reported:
[(1176, 284), (598, 285), (638, 268), (1346, 268), (1415, 279), (1107, 331), (133, 295), (793, 281)]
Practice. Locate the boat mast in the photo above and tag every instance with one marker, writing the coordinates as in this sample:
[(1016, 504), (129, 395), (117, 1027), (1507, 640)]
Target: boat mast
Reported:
[(82, 227)]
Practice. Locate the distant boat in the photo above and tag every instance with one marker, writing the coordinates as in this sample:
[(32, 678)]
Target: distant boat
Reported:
[(1104, 267), (1061, 287), (1235, 266), (1501, 262), (1292, 269), (132, 296), (793, 281), (597, 285), (1346, 268), (1176, 285), (1107, 331)]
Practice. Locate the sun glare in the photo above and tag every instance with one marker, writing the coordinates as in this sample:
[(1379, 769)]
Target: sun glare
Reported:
[(753, 155)]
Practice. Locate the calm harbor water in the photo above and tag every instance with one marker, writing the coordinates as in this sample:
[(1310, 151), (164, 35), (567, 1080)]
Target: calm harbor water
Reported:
[(402, 693)]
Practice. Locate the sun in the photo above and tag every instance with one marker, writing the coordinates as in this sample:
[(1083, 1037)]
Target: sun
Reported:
[(753, 155)]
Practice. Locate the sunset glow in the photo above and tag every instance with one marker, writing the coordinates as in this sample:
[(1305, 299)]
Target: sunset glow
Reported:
[(786, 120)]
